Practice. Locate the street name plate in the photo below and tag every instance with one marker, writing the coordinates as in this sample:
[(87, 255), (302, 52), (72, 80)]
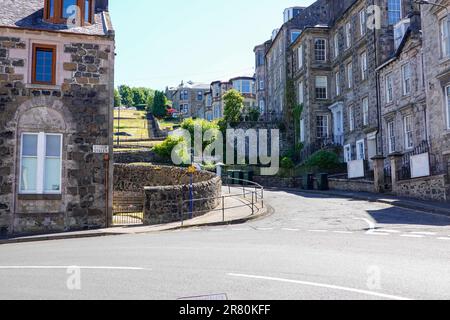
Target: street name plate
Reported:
[(100, 149)]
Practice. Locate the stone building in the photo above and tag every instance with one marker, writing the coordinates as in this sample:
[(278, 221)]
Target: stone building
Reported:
[(260, 76), (56, 102), (189, 99), (436, 55), (218, 89), (402, 98), (334, 67)]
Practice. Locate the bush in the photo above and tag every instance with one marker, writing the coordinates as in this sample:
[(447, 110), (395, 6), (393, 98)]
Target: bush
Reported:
[(323, 160), (287, 163), (164, 150)]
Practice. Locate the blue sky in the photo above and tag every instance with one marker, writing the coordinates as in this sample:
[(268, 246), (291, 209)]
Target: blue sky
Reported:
[(161, 42)]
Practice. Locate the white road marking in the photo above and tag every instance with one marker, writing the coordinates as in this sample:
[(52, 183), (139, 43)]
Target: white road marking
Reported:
[(293, 230), (322, 231), (321, 285), (241, 229), (411, 236), (371, 224), (217, 230), (424, 233), (264, 229), (389, 231), (67, 267), (343, 232), (444, 238), (374, 233)]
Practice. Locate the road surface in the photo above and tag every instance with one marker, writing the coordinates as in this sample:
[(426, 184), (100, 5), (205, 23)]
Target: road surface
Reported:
[(312, 247)]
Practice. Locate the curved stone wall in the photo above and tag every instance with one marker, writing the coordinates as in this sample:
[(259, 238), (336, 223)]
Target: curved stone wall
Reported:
[(165, 191)]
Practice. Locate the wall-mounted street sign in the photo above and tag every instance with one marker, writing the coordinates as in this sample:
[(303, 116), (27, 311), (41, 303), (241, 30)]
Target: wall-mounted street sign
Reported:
[(100, 149)]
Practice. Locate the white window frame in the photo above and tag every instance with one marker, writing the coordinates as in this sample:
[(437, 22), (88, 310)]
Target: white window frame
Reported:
[(301, 93), (321, 87), (336, 45), (302, 131), (326, 126), (348, 35), (407, 79), (445, 37), (350, 75), (324, 49), (359, 155), (347, 153), (363, 58), (365, 111), (447, 104), (408, 132), (362, 22), (391, 136), (337, 79), (351, 118), (300, 57), (40, 163), (389, 88)]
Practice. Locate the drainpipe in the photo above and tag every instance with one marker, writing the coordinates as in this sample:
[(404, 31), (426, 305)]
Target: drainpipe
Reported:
[(379, 131)]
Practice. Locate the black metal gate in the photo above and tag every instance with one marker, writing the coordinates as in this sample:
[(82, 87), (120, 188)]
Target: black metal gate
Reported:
[(128, 210)]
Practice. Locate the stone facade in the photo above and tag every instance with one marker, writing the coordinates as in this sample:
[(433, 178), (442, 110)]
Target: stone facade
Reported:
[(429, 188), (164, 190), (261, 77), (403, 107), (189, 99), (437, 75), (77, 107), (351, 185)]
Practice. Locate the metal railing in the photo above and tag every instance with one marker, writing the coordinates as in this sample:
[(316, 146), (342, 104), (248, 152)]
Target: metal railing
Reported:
[(248, 194)]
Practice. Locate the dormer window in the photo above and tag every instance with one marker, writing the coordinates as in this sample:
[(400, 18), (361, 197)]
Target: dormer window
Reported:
[(58, 11)]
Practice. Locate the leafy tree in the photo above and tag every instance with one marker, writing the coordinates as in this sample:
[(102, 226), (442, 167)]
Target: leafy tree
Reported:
[(117, 99), (234, 104), (127, 95), (159, 105), (139, 95), (254, 114)]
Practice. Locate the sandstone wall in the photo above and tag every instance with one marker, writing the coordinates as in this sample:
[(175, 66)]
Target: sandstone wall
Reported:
[(429, 188)]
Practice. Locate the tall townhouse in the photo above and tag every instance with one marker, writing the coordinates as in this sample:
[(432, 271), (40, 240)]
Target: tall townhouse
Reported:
[(260, 76), (335, 72), (56, 123), (208, 106), (403, 94), (188, 99), (436, 51), (276, 55)]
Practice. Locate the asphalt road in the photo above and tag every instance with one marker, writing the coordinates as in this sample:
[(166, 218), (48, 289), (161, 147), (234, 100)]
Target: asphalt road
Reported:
[(312, 247)]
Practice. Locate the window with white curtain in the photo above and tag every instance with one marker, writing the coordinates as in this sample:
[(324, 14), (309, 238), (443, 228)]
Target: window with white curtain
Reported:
[(337, 79), (321, 87), (40, 163), (351, 118), (348, 153), (301, 93), (336, 45), (361, 150)]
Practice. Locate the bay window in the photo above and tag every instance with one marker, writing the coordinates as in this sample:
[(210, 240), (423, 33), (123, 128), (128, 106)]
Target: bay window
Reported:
[(320, 50), (321, 87), (41, 165), (322, 127), (394, 11)]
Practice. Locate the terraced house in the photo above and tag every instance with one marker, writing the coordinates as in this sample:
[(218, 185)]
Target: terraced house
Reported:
[(56, 99), (189, 99)]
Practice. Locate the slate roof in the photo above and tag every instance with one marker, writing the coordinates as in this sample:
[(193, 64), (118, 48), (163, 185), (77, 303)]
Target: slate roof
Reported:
[(28, 14)]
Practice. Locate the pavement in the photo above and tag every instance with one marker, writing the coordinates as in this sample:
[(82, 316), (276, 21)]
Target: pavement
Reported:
[(238, 210), (314, 246)]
